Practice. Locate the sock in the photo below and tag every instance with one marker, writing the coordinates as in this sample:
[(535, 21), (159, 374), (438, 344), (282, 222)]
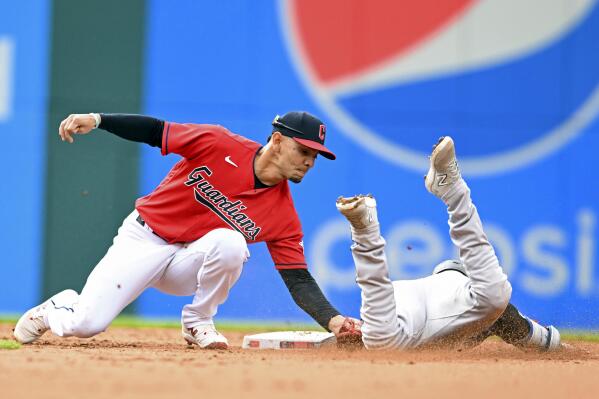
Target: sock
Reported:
[(512, 327)]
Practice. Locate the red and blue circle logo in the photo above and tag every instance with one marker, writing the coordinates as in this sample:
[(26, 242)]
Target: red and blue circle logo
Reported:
[(512, 81)]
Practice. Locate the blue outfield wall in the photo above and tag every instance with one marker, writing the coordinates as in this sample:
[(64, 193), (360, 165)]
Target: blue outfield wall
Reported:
[(525, 122), (24, 39)]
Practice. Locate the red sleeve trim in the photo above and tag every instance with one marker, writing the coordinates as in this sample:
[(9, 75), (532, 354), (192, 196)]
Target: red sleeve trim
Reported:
[(165, 131), (280, 266)]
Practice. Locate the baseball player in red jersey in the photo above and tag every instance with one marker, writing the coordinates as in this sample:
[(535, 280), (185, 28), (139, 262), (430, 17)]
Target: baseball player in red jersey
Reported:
[(189, 236)]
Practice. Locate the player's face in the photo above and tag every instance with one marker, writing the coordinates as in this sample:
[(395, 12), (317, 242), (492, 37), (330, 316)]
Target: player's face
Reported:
[(298, 159)]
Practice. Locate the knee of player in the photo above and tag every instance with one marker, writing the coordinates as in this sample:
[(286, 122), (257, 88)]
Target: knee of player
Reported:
[(230, 248), (88, 327)]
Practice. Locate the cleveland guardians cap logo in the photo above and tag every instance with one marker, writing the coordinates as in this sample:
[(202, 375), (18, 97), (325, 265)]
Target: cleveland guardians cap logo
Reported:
[(322, 132), (304, 128), (512, 81)]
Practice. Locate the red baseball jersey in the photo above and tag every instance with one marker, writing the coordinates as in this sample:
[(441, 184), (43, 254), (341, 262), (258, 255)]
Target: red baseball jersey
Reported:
[(213, 187)]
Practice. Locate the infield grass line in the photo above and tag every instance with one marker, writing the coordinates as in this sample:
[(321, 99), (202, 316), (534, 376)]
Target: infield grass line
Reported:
[(9, 344), (239, 326), (574, 335), (8, 318), (268, 326), (224, 325)]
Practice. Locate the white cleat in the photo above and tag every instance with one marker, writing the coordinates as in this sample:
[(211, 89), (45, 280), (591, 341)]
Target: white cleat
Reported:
[(553, 339), (443, 170), (542, 338), (206, 337), (359, 210), (33, 324)]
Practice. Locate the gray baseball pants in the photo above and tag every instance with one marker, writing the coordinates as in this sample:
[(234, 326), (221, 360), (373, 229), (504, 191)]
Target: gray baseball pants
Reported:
[(446, 307)]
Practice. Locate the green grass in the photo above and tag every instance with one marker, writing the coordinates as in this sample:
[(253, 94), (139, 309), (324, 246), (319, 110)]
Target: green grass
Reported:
[(8, 318), (264, 326), (574, 335), (241, 326), (9, 344), (225, 325)]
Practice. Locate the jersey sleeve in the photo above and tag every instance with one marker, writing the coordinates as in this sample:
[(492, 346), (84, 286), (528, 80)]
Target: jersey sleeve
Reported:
[(189, 140), (288, 253), (287, 250)]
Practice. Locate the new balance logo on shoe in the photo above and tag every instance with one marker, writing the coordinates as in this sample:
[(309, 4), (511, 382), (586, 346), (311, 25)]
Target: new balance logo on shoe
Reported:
[(442, 180)]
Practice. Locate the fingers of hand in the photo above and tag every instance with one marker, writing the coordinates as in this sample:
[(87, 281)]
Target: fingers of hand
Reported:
[(63, 131), (73, 124), (358, 323), (351, 325)]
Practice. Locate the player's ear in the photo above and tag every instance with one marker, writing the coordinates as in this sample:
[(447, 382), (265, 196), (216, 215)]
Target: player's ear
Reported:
[(277, 140)]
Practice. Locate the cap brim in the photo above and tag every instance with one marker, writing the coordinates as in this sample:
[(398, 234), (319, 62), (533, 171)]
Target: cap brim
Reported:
[(322, 150)]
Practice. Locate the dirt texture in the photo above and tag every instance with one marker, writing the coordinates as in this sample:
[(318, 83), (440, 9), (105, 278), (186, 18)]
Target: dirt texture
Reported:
[(156, 363)]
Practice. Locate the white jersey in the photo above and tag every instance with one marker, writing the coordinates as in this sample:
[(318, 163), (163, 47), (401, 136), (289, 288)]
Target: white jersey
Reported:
[(428, 307)]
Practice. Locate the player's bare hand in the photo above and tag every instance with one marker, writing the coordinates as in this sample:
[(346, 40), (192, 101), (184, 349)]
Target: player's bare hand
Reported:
[(76, 124), (348, 332), (338, 322)]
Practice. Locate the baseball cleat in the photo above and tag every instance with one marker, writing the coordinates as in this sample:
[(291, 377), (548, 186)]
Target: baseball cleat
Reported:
[(205, 336), (359, 210), (443, 170), (553, 339), (33, 324), (543, 338)]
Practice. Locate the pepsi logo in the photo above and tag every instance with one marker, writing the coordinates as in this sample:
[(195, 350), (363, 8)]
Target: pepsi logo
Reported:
[(511, 81)]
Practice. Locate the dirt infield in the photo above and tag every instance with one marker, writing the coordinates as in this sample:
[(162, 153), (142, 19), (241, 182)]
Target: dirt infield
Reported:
[(155, 363)]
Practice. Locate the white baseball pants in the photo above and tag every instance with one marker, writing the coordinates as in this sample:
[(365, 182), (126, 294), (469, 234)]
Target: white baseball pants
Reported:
[(139, 259), (445, 307)]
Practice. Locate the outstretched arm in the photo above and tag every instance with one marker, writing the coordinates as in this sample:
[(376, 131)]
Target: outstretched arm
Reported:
[(139, 128), (307, 295)]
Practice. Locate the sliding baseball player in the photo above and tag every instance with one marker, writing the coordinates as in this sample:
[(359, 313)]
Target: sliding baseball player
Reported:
[(462, 302)]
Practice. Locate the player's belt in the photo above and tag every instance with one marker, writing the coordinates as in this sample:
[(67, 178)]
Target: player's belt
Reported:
[(143, 223)]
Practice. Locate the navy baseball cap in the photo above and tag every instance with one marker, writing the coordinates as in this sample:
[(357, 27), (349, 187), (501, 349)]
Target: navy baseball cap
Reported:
[(304, 128)]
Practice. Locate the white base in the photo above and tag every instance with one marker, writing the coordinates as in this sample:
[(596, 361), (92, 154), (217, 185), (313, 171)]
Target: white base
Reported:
[(288, 340)]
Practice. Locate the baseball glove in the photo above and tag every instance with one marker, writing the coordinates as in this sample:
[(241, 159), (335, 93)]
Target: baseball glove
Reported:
[(350, 334)]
